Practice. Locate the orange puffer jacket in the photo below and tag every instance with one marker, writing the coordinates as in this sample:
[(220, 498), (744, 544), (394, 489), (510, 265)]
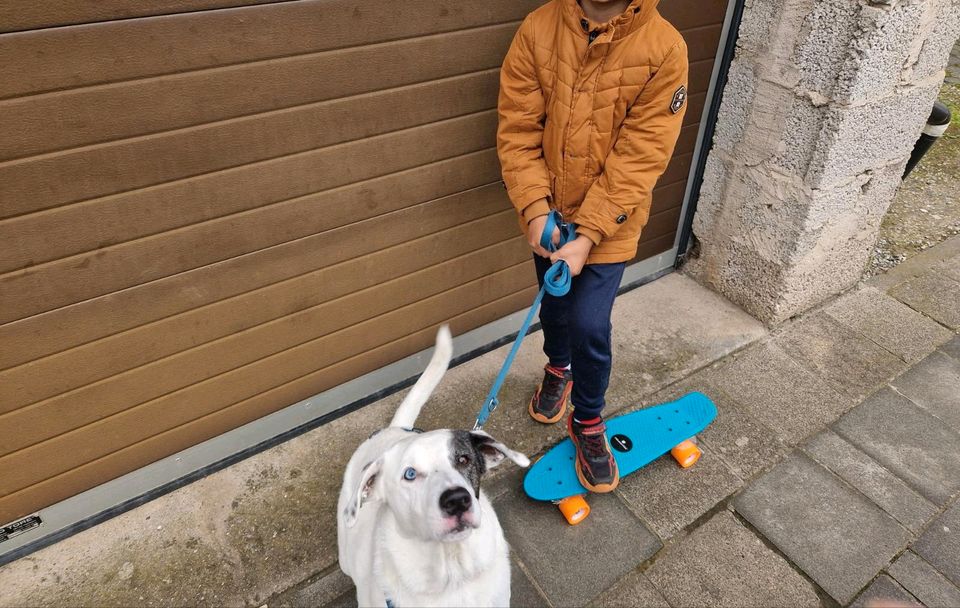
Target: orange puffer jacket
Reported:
[(589, 116)]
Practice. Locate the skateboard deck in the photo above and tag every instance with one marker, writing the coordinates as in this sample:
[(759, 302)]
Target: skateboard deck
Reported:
[(636, 439)]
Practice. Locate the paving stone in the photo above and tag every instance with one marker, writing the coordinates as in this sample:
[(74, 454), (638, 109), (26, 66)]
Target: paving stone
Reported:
[(831, 531), (522, 591), (745, 445), (632, 591), (669, 498), (885, 593), (933, 294), (615, 541), (934, 385), (327, 590), (949, 267), (347, 600), (952, 347), (847, 361), (940, 544), (890, 323), (924, 582), (777, 392), (722, 563), (877, 483), (908, 441)]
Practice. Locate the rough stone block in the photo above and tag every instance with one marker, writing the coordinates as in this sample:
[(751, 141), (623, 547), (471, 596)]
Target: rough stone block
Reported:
[(615, 541), (826, 527), (908, 441), (885, 592), (776, 391), (822, 52), (889, 323), (932, 46), (875, 482), (924, 582), (940, 544), (934, 295), (724, 564), (735, 107), (631, 591), (669, 498), (863, 138), (934, 385), (848, 362)]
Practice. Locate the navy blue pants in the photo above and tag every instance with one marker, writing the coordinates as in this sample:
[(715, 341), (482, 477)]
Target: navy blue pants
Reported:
[(576, 332)]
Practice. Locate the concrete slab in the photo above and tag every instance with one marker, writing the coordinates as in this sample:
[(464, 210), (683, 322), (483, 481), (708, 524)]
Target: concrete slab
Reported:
[(831, 531), (668, 329), (669, 498), (574, 564), (884, 592), (917, 265), (745, 445), (890, 323), (952, 347), (776, 391), (633, 590), (324, 590), (924, 582), (722, 563), (940, 544), (847, 361), (949, 267), (522, 590), (934, 385), (875, 482), (933, 294), (908, 441)]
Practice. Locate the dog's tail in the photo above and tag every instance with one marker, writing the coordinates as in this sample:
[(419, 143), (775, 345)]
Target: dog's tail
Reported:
[(408, 411)]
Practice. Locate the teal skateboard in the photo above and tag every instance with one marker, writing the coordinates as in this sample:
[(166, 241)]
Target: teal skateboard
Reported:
[(636, 439)]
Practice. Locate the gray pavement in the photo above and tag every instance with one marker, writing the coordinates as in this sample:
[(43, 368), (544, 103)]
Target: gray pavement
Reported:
[(829, 478)]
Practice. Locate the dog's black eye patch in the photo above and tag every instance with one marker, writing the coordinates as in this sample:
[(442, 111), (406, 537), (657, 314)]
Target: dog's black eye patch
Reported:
[(466, 458)]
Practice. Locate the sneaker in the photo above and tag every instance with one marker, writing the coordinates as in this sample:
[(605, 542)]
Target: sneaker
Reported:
[(596, 467), (549, 402)]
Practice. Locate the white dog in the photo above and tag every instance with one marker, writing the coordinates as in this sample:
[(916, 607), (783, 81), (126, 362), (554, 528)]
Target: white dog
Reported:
[(413, 526)]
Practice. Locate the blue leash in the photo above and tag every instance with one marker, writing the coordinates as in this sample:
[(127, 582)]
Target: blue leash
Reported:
[(556, 282)]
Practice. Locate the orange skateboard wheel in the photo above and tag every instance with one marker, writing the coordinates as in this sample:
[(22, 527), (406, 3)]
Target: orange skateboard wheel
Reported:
[(686, 454), (574, 508)]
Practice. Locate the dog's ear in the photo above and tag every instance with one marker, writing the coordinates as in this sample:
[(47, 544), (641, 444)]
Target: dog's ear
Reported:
[(494, 452), (365, 491)]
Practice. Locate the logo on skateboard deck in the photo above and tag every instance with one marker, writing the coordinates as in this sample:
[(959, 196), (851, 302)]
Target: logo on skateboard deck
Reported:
[(621, 443)]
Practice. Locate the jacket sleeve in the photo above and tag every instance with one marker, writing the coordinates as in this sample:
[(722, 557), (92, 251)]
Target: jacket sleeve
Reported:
[(641, 153), (520, 129)]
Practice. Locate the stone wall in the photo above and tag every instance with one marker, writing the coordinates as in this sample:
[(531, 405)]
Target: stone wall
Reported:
[(824, 102)]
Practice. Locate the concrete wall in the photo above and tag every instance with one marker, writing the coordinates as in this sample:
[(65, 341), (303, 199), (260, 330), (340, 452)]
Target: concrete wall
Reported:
[(824, 103)]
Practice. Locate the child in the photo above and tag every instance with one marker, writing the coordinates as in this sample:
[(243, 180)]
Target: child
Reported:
[(592, 96)]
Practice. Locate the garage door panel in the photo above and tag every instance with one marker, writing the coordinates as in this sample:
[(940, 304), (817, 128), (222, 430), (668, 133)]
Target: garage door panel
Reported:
[(158, 446), (89, 275), (688, 14), (64, 328), (209, 38), (195, 329), (42, 461), (97, 401), (239, 275), (194, 98), (702, 42), (677, 170), (655, 246)]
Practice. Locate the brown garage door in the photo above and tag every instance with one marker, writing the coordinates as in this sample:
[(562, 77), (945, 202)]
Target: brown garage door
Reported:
[(210, 210)]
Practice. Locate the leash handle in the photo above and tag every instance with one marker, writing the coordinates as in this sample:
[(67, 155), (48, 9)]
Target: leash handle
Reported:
[(556, 282)]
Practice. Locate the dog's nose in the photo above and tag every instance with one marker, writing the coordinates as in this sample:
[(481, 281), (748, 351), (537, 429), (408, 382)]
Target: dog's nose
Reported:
[(455, 501)]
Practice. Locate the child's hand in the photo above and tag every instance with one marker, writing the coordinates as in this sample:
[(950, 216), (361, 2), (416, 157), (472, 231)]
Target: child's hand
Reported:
[(574, 253), (534, 230)]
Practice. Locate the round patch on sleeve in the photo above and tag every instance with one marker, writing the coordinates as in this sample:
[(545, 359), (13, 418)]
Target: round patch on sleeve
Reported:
[(679, 98)]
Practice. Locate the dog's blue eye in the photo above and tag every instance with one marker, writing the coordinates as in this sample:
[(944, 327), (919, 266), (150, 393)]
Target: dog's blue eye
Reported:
[(409, 474)]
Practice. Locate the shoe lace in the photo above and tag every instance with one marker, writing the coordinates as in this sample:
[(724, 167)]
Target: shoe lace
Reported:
[(593, 444), (553, 387)]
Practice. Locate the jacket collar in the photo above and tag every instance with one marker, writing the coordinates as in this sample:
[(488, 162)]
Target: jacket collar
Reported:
[(636, 14)]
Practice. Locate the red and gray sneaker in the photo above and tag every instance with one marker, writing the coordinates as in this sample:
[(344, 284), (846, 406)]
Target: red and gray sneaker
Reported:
[(596, 467), (549, 402)]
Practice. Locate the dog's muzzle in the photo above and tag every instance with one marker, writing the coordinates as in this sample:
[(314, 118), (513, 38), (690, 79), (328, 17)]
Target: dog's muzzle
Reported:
[(455, 501)]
